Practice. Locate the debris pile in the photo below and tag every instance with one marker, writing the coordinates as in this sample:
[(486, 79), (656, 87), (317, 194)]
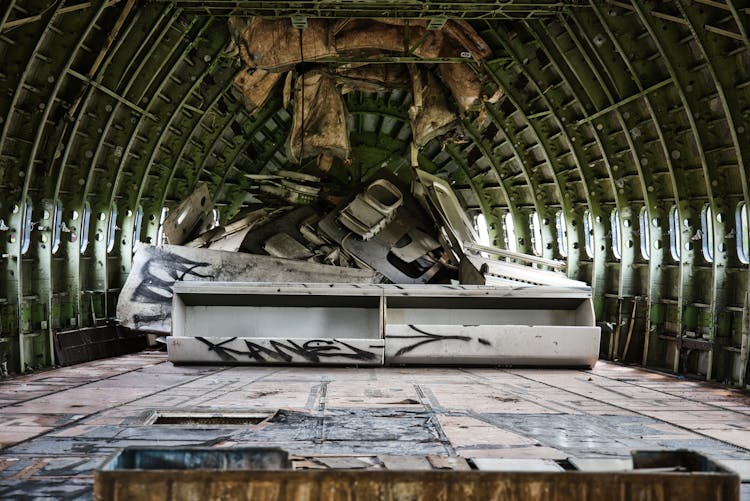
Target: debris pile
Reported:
[(299, 227), (379, 226)]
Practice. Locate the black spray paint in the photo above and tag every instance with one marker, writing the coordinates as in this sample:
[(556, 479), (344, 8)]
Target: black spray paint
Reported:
[(426, 338), (285, 350)]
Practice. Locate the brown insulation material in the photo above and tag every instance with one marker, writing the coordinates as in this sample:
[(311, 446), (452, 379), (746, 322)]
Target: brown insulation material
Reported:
[(319, 122), (273, 45), (366, 36), (287, 92), (373, 78), (255, 87), (460, 37), (388, 34), (430, 115), (400, 22), (463, 83), (237, 28)]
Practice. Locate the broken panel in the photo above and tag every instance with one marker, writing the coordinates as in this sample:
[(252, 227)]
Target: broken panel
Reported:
[(180, 223), (145, 302), (370, 211)]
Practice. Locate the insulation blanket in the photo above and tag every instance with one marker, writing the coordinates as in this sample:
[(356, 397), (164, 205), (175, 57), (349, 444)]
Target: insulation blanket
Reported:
[(430, 115), (373, 77), (463, 83), (363, 36), (255, 87), (274, 45), (270, 47), (319, 123)]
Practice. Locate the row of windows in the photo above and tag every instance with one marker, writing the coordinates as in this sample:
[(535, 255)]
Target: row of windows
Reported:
[(59, 227), (705, 233)]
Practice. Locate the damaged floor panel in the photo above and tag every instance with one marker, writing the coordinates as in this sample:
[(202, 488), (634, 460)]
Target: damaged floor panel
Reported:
[(58, 426)]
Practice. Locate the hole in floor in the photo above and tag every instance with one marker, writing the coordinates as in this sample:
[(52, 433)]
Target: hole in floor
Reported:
[(210, 419)]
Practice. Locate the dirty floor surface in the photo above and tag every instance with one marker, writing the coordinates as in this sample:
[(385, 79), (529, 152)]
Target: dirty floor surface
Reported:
[(57, 426)]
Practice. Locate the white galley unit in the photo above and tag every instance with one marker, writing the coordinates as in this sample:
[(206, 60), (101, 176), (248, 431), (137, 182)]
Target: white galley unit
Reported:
[(368, 324)]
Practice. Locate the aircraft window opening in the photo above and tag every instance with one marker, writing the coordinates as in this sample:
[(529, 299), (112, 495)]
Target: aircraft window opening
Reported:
[(588, 233), (674, 234), (480, 224), (614, 220), (85, 221), (562, 233), (111, 229), (137, 222), (536, 233), (57, 219), (743, 232), (160, 232), (509, 228), (707, 238), (645, 230), (26, 225)]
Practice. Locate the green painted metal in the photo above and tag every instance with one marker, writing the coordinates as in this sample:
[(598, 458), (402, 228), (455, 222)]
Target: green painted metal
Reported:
[(491, 215), (687, 293), (622, 170), (12, 350), (625, 101), (616, 105), (548, 44), (66, 277), (110, 93), (725, 88), (177, 164), (6, 13), (509, 9), (652, 288), (95, 277)]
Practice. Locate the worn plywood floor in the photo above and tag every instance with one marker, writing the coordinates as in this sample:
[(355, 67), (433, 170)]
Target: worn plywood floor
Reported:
[(57, 426)]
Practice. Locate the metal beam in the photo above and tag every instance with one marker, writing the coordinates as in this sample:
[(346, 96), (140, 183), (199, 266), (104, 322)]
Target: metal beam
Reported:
[(625, 101), (513, 9), (9, 25), (557, 265), (345, 60), (112, 94)]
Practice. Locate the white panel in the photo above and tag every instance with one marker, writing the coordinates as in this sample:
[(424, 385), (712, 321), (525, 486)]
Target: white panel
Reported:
[(519, 465), (496, 345), (275, 351), (280, 322), (435, 316), (602, 464), (420, 325)]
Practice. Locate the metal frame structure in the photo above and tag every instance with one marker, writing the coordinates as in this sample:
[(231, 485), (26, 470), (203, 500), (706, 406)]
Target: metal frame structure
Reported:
[(608, 105), (436, 12)]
